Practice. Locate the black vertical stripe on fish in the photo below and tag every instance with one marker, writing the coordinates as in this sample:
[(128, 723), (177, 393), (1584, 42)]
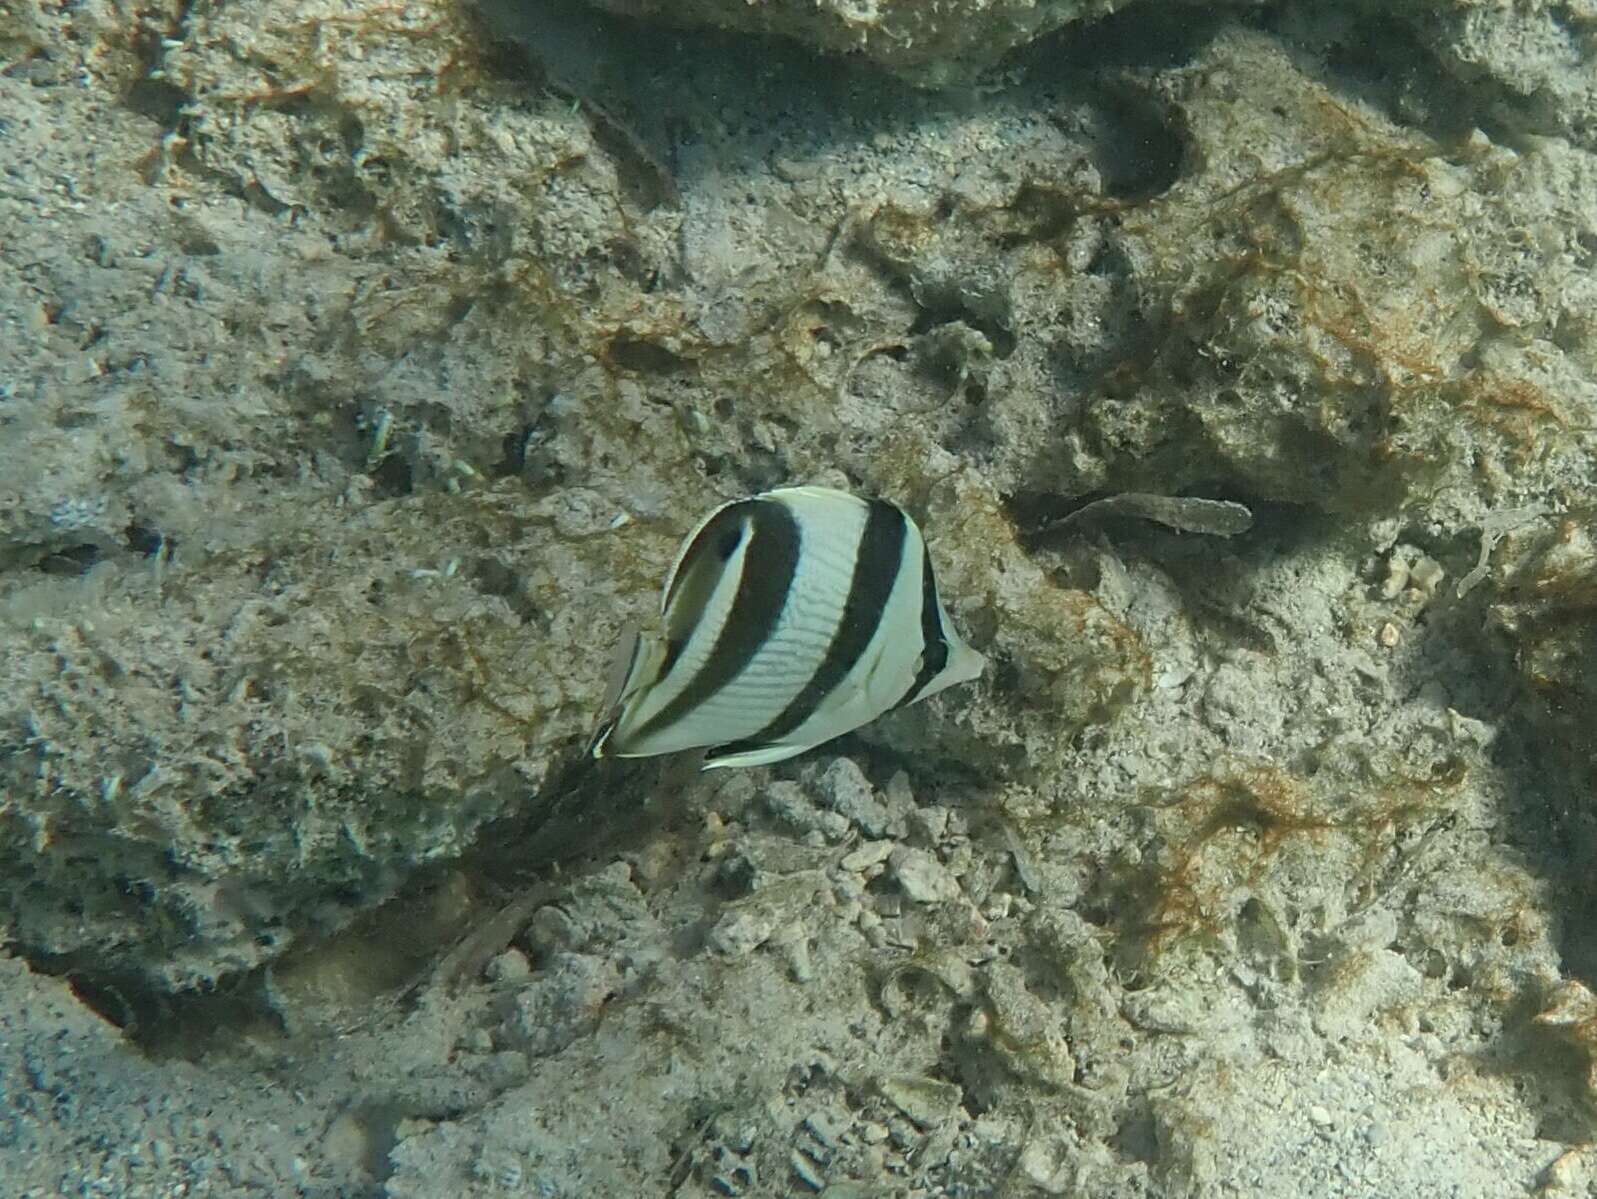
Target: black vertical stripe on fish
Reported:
[(770, 563), (877, 561), (673, 650), (700, 569), (934, 652)]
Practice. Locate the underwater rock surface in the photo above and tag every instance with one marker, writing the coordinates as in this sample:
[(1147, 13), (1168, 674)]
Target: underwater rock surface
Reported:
[(362, 366)]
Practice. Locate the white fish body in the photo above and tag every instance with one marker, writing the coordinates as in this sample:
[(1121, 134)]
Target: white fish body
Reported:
[(788, 618)]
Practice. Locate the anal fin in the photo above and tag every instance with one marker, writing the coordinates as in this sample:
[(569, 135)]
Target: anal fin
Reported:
[(742, 753)]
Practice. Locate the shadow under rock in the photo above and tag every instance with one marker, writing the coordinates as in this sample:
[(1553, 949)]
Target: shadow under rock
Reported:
[(668, 89), (436, 933)]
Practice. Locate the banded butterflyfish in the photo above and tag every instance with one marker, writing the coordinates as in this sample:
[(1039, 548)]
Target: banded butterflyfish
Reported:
[(788, 618)]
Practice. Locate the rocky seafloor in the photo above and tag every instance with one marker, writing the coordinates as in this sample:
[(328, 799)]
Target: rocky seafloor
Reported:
[(362, 363)]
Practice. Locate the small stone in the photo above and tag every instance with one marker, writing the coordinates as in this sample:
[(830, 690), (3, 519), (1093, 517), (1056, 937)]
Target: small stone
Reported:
[(844, 788), (1397, 576), (873, 1133), (822, 1128), (734, 795), (1319, 1116), (1570, 1173), (926, 1101), (654, 863), (872, 929), (929, 825), (1426, 574), (921, 877), (734, 1133), (794, 945), (511, 966), (1039, 1167), (867, 855), (805, 1172), (740, 933), (550, 930), (900, 793), (796, 170), (903, 1134), (1171, 1011), (561, 1004), (787, 801), (847, 888)]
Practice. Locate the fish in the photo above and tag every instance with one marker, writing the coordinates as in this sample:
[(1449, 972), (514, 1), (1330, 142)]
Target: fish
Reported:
[(787, 619)]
